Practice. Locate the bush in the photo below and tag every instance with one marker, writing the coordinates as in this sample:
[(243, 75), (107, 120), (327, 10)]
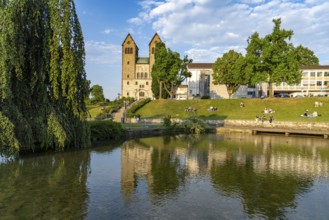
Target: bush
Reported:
[(131, 112), (205, 97), (106, 130), (194, 126), (167, 121)]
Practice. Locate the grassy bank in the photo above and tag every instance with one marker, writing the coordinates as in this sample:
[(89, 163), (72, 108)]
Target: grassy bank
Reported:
[(286, 109)]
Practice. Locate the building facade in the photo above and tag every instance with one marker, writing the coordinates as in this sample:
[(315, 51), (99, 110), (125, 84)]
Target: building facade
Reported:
[(315, 81), (136, 71)]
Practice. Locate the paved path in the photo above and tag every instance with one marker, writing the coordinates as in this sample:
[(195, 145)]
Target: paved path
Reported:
[(118, 115)]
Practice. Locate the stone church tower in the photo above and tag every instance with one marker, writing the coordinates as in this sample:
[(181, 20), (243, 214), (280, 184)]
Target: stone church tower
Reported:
[(136, 71)]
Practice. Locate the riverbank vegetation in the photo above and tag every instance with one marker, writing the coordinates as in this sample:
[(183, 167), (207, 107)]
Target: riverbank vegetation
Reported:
[(43, 83), (284, 109)]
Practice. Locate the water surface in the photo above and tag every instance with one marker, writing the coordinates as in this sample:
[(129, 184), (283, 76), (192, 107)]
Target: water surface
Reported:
[(194, 177)]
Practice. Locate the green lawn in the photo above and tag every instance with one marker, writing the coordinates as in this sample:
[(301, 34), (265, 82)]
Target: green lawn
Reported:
[(286, 109)]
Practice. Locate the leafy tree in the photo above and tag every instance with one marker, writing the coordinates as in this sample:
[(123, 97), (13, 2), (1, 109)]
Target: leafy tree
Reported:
[(42, 79), (230, 70), (306, 56), (273, 59), (168, 72), (96, 92)]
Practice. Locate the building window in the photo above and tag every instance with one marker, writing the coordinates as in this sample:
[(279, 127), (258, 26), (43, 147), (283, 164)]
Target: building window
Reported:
[(128, 76), (326, 73), (128, 83), (152, 50), (319, 74), (145, 75), (319, 83), (142, 75), (326, 83), (128, 62), (137, 75), (127, 93), (141, 94), (312, 74), (147, 83), (312, 83), (129, 50), (305, 74), (136, 83)]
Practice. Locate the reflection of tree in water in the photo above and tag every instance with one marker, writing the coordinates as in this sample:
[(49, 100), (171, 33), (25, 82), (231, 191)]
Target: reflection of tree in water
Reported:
[(265, 193), (166, 171), (45, 187)]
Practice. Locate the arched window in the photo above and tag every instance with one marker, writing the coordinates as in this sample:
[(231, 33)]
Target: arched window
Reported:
[(152, 50), (128, 76), (127, 93), (141, 94), (147, 83), (128, 83), (137, 75), (141, 75), (136, 83), (145, 75)]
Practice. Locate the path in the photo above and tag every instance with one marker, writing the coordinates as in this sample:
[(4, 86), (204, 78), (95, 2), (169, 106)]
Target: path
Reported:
[(118, 115)]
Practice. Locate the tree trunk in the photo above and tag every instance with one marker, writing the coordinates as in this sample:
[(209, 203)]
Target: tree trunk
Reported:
[(160, 93), (270, 87)]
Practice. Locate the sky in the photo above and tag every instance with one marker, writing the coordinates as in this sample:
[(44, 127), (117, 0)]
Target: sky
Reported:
[(202, 29)]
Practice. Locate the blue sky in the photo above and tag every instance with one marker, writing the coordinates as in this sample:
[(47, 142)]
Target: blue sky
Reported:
[(201, 29)]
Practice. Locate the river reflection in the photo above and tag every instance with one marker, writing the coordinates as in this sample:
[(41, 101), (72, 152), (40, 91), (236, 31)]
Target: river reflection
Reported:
[(196, 177)]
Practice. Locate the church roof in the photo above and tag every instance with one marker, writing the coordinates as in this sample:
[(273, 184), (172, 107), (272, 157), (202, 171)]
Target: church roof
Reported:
[(200, 65), (156, 34), (142, 60)]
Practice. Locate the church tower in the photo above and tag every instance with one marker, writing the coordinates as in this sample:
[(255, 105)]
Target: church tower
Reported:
[(156, 39), (136, 71)]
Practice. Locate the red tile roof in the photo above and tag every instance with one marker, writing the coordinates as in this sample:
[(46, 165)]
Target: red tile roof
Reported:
[(200, 65)]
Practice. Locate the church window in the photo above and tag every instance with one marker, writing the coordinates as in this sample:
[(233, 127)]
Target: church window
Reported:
[(152, 50), (137, 75), (145, 75), (141, 94), (141, 75)]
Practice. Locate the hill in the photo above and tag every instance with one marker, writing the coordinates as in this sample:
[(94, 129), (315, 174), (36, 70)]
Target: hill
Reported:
[(285, 109)]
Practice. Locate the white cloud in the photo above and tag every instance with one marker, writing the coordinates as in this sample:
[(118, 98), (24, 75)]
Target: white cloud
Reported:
[(205, 24), (108, 31), (102, 53)]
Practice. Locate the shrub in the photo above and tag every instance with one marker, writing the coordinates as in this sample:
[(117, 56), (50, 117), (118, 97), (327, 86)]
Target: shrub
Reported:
[(106, 130), (167, 121), (194, 126), (131, 112), (205, 97)]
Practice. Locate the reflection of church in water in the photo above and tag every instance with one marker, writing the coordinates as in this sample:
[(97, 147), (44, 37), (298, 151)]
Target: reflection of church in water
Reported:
[(138, 160)]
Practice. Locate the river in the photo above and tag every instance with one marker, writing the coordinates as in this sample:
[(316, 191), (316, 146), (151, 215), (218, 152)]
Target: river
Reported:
[(210, 176)]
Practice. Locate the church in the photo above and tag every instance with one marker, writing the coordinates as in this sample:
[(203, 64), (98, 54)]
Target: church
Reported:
[(136, 71)]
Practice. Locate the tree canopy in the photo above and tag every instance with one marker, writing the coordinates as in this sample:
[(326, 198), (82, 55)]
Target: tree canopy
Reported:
[(96, 92), (168, 71), (230, 71), (43, 83), (274, 60)]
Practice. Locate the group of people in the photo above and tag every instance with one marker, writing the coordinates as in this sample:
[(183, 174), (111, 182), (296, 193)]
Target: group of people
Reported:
[(212, 109), (263, 118), (268, 111), (306, 114)]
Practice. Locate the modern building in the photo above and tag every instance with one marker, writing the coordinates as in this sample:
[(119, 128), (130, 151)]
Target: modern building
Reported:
[(315, 81), (136, 71)]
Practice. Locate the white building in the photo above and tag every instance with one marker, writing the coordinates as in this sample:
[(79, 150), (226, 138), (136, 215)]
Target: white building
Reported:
[(315, 81)]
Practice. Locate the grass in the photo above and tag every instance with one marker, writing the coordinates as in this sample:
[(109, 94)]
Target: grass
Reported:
[(286, 109)]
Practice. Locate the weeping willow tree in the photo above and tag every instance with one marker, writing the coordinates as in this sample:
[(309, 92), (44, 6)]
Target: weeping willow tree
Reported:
[(42, 78)]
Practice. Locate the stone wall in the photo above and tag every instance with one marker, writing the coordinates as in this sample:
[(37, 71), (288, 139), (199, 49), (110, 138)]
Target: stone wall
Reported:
[(298, 125)]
